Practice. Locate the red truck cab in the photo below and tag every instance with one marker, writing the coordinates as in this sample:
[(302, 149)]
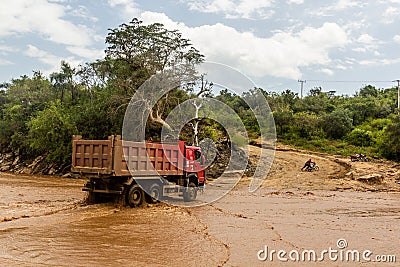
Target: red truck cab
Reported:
[(195, 163)]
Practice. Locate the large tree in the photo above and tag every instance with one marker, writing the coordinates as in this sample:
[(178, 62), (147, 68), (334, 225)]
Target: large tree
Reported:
[(136, 51), (150, 46)]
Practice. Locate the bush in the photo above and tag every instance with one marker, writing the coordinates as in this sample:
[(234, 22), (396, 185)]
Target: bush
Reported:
[(359, 137), (390, 145), (306, 125), (337, 124), (51, 131)]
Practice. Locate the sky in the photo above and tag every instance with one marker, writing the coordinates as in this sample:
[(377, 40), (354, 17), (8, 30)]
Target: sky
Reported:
[(338, 45)]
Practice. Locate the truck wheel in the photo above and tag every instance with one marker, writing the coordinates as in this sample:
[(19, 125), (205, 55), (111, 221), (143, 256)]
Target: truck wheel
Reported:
[(190, 193), (154, 194), (91, 198), (135, 196)]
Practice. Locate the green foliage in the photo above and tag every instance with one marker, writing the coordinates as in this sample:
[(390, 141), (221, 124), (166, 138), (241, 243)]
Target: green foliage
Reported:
[(150, 46), (23, 98), (306, 125), (283, 121), (337, 124), (360, 137), (316, 102), (390, 145), (369, 90), (63, 82), (375, 128), (377, 124), (356, 124), (51, 130)]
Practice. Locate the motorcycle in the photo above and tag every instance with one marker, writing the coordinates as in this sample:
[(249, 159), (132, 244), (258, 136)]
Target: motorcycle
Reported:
[(312, 167), (359, 157)]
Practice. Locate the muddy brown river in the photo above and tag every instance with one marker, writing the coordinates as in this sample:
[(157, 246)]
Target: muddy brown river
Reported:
[(45, 222)]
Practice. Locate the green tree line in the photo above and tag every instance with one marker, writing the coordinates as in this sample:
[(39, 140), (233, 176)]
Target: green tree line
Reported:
[(39, 115)]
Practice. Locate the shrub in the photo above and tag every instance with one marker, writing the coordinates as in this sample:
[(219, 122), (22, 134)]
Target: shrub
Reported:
[(337, 124), (51, 131), (359, 137), (390, 145)]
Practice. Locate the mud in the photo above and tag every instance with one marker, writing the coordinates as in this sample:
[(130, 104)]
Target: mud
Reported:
[(303, 220), (45, 222)]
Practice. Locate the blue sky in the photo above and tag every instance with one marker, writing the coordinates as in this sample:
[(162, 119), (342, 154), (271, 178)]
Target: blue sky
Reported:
[(339, 45)]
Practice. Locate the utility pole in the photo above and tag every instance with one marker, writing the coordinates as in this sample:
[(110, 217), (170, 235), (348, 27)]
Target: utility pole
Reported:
[(301, 90), (398, 96)]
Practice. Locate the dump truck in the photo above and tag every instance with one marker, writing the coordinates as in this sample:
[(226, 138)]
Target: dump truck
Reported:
[(138, 171)]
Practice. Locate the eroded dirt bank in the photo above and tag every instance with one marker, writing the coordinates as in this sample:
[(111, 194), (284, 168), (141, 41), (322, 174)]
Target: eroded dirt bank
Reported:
[(44, 222)]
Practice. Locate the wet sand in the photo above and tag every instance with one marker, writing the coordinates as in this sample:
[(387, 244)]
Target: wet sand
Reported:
[(303, 220), (45, 222)]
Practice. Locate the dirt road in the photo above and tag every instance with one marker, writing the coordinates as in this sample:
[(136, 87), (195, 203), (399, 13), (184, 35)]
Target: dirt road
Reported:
[(44, 222)]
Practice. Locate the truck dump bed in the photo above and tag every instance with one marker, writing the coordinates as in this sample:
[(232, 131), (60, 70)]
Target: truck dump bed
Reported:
[(101, 158)]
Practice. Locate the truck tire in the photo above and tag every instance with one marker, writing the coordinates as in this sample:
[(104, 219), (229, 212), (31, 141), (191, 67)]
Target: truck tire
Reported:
[(92, 198), (191, 193), (135, 196), (154, 194)]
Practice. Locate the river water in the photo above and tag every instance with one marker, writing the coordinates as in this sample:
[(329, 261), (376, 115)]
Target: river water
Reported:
[(45, 222)]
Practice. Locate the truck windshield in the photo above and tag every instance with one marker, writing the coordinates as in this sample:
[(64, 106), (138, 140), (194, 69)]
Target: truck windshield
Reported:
[(197, 155)]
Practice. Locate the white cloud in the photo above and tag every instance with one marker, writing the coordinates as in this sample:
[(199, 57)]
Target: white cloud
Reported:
[(281, 55), (379, 62), (368, 62), (233, 8), (342, 67), (396, 38), (356, 25), (4, 62), (86, 52), (43, 18), (390, 61), (366, 39), (350, 61), (82, 12), (298, 2), (389, 1), (333, 8), (327, 71), (390, 15), (49, 59), (368, 44), (360, 49), (130, 8), (343, 4), (42, 56), (5, 49)]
